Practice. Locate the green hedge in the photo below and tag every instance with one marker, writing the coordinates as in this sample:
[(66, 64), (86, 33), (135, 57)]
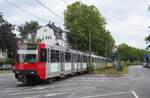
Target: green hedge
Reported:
[(8, 61), (134, 63)]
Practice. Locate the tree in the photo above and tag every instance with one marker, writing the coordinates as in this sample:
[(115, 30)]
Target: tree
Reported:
[(28, 27), (128, 53), (147, 39), (80, 20), (7, 38)]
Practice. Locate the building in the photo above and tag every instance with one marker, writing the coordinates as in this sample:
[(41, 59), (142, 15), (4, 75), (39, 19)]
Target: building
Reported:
[(3, 55), (51, 35)]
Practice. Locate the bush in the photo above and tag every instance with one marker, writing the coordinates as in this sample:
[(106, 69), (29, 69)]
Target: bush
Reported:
[(9, 61), (123, 64), (134, 63)]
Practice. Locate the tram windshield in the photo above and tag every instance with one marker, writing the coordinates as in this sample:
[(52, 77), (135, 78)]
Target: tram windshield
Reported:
[(27, 53)]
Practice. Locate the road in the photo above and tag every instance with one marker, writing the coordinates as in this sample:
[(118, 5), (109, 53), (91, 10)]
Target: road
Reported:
[(134, 85)]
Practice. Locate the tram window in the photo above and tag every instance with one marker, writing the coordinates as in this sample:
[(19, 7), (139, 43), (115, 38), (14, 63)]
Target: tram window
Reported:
[(43, 55), (93, 59), (84, 59), (61, 57), (97, 60), (54, 56), (67, 57), (57, 56), (79, 58), (72, 57), (75, 57)]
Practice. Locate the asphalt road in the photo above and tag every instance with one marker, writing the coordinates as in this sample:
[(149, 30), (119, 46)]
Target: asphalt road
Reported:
[(134, 85)]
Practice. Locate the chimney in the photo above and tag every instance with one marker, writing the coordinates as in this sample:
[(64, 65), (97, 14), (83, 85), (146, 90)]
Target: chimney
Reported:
[(49, 22), (53, 24)]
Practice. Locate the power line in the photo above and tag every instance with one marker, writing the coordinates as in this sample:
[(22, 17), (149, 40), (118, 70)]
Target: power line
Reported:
[(23, 10), (48, 8), (65, 2)]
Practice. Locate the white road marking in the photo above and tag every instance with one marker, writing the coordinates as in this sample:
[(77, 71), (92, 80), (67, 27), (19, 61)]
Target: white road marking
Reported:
[(76, 89), (82, 89), (25, 93), (25, 89), (53, 94), (104, 95), (8, 91), (135, 95), (4, 82), (38, 88), (72, 94)]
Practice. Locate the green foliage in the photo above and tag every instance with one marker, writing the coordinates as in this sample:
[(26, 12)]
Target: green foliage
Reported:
[(147, 39), (134, 63), (112, 72), (80, 20), (9, 61), (28, 27), (123, 65), (7, 38), (131, 54)]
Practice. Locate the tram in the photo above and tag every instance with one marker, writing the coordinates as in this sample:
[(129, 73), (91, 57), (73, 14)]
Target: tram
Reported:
[(38, 61), (146, 60)]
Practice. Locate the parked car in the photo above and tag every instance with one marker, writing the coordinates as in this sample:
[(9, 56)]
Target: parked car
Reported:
[(6, 67)]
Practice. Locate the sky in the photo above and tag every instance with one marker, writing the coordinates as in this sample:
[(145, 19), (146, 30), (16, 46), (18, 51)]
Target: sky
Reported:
[(127, 20)]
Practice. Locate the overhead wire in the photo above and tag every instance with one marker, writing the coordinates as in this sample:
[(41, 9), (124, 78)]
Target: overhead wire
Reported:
[(42, 4), (29, 13), (24, 10), (65, 2)]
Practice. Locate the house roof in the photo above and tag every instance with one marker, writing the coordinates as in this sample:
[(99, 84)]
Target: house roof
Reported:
[(55, 28)]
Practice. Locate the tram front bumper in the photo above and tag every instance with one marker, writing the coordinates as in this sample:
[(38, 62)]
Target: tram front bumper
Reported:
[(25, 72)]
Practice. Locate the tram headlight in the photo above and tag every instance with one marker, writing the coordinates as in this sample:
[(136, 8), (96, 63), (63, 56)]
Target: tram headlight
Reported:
[(32, 72), (17, 72)]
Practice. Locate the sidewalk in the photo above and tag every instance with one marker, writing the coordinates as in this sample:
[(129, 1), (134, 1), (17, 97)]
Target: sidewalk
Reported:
[(6, 74)]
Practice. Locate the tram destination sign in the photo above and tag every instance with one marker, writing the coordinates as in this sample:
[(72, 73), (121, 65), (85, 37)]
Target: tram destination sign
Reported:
[(27, 46)]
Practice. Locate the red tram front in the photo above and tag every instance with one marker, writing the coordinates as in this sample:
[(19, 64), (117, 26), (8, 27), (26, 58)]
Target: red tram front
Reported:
[(30, 62)]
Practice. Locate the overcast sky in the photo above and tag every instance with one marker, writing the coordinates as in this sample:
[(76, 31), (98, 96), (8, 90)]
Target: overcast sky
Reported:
[(127, 20)]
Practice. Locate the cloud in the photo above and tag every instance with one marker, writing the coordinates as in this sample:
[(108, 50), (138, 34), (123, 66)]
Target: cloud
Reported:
[(127, 20)]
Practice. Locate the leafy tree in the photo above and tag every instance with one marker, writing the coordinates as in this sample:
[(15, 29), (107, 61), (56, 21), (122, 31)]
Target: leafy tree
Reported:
[(28, 27), (80, 20), (7, 38), (128, 53), (147, 39)]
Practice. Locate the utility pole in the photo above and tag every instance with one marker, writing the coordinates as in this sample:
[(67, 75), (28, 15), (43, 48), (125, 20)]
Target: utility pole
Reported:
[(106, 53), (90, 66)]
